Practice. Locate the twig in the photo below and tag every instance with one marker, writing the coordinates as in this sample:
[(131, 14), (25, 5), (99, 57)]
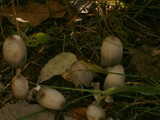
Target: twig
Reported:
[(14, 15)]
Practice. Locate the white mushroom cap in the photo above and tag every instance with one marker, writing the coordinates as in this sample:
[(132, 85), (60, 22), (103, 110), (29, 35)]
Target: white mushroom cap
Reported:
[(50, 98), (20, 86), (95, 112), (111, 51), (115, 77), (80, 75), (14, 51)]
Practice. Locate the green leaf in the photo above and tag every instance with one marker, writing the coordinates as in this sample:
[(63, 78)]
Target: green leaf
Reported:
[(144, 90), (37, 39)]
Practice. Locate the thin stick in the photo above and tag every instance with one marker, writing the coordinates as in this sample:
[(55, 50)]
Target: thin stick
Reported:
[(14, 15)]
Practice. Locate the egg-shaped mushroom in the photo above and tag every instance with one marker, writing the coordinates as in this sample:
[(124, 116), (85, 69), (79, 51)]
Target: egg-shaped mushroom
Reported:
[(20, 85), (95, 112), (14, 51), (80, 75), (115, 77), (50, 98), (111, 51)]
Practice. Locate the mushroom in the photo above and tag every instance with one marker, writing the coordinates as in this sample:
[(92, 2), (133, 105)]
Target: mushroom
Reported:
[(80, 75), (19, 85), (111, 51), (115, 77), (50, 98), (14, 51), (95, 112)]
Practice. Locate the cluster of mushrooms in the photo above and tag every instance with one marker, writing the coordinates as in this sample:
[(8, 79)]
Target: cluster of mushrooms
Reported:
[(15, 54), (111, 57)]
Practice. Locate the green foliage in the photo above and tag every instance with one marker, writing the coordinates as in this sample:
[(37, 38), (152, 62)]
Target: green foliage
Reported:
[(146, 90), (37, 39)]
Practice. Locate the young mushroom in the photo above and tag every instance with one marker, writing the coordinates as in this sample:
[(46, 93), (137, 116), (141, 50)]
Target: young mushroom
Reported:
[(115, 77), (95, 112), (15, 54), (20, 85), (14, 51), (80, 75), (111, 51), (50, 98)]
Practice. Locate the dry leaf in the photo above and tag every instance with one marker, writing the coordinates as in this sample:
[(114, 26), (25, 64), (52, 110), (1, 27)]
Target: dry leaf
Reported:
[(155, 52), (75, 114), (34, 13), (56, 66), (26, 111)]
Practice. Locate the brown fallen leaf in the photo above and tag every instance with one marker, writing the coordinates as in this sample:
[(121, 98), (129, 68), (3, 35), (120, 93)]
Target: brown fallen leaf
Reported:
[(80, 113), (34, 13), (26, 111), (75, 114), (155, 52)]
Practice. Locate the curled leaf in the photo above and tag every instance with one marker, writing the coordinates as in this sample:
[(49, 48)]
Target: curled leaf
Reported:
[(56, 66)]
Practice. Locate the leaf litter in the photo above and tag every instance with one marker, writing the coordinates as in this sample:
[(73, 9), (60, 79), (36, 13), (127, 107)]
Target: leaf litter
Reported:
[(25, 111), (34, 13), (56, 66)]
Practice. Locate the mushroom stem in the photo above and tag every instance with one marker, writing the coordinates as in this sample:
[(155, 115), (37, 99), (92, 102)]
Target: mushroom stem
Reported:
[(18, 71)]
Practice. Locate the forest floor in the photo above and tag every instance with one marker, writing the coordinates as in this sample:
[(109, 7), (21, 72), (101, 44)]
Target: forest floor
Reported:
[(138, 28)]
